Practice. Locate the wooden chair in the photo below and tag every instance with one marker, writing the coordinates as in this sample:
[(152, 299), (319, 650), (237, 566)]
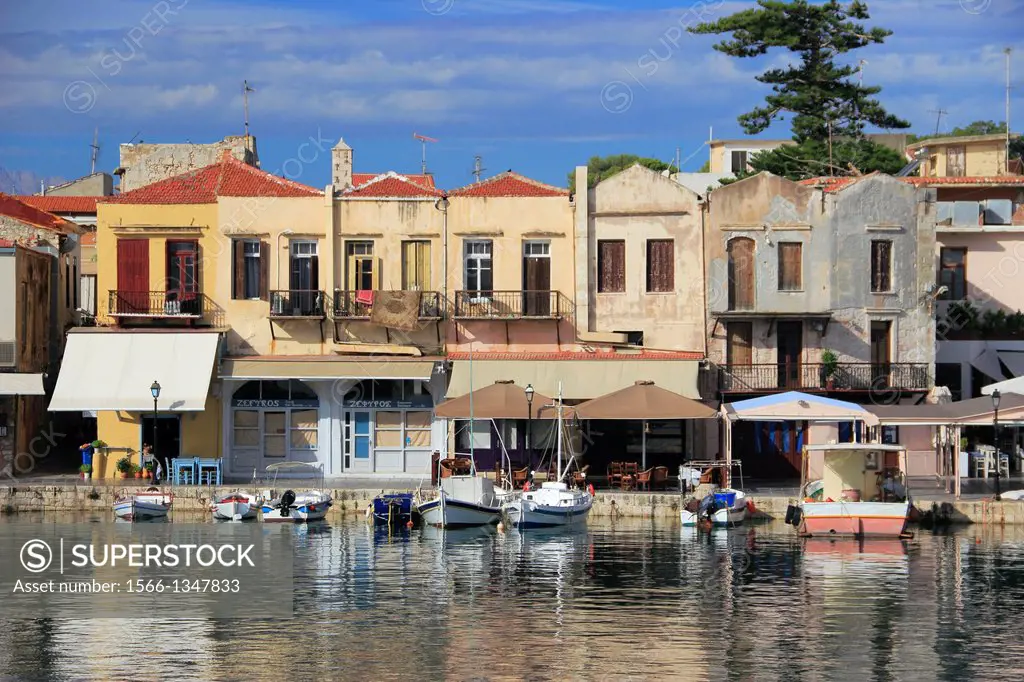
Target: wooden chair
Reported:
[(447, 467), (614, 474), (660, 479), (519, 476), (630, 468), (644, 478), (462, 466), (579, 478)]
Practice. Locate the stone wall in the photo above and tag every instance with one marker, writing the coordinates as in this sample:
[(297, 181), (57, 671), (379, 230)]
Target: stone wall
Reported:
[(143, 164)]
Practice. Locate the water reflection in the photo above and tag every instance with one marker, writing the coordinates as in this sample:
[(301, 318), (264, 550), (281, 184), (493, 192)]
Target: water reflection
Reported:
[(624, 599)]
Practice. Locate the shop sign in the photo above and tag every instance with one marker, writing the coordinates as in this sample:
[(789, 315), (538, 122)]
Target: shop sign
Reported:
[(414, 403), (271, 404)]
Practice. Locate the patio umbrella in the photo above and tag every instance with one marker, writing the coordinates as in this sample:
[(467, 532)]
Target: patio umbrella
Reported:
[(644, 401), (500, 400)]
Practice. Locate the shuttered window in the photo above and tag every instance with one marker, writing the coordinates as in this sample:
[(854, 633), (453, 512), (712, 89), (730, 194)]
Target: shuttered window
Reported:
[(611, 266), (661, 273), (248, 269), (881, 266), (791, 264), (953, 273)]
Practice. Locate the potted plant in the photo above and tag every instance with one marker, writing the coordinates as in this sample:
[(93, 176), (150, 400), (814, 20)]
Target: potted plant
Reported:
[(137, 471), (86, 470), (147, 470), (124, 467), (829, 367), (99, 455)]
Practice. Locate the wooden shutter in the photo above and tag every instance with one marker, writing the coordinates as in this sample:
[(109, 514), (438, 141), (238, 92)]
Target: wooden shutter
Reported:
[(790, 266), (740, 342), (881, 266), (314, 273), (741, 274), (660, 265), (132, 275), (611, 266), (238, 249), (265, 270)]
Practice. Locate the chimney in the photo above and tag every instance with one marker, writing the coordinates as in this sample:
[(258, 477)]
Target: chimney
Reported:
[(341, 165)]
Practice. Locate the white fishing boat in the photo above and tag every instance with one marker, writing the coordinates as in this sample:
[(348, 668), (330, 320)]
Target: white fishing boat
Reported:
[(721, 506), (461, 501), (141, 506), (235, 506), (301, 506), (554, 503)]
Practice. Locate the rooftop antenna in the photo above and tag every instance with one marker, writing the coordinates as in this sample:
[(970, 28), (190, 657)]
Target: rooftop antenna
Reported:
[(95, 148), (939, 113), (860, 72), (134, 137), (478, 168), (246, 89), (424, 140), (1007, 52)]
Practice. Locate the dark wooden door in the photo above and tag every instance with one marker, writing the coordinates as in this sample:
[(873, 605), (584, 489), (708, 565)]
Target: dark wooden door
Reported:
[(790, 351), (536, 286), (739, 356), (741, 274), (132, 276), (881, 357)]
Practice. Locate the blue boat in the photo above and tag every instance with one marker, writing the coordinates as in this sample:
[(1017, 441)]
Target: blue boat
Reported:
[(392, 510)]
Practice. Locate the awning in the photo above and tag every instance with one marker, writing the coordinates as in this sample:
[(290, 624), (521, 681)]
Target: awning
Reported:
[(581, 379), (114, 371), (326, 368), (504, 400), (1015, 385), (795, 406), (644, 401), (987, 362), (1015, 361), (21, 384)]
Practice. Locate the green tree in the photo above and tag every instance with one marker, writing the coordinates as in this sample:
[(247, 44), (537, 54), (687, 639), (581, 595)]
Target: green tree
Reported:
[(601, 167), (706, 168)]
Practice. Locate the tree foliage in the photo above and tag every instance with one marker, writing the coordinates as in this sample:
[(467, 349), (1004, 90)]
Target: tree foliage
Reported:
[(602, 167), (816, 91), (811, 159)]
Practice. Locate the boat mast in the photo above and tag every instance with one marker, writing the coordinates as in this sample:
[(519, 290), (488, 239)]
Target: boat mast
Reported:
[(472, 415), (558, 467)]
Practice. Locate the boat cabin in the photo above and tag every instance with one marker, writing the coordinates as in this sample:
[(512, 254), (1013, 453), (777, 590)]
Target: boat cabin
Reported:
[(854, 472)]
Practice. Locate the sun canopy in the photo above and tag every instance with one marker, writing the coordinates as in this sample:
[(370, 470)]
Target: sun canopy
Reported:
[(795, 406), (1015, 385), (976, 411), (644, 401), (21, 384), (500, 400), (114, 370)]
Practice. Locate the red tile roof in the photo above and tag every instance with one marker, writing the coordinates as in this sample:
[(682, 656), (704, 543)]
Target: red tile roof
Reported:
[(363, 178), (19, 210), (581, 355), (61, 204), (89, 239), (6, 244), (832, 184), (391, 184), (229, 177), (510, 184)]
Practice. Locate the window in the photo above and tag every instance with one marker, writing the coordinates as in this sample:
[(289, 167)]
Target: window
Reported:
[(303, 435), (416, 265), (359, 265), (611, 266), (67, 282), (739, 162), (75, 284), (741, 273), (479, 273), (881, 267), (791, 264), (661, 274), (536, 248), (956, 165), (247, 429), (953, 273), (249, 278)]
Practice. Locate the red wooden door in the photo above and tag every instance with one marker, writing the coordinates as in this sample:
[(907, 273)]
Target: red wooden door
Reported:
[(132, 276)]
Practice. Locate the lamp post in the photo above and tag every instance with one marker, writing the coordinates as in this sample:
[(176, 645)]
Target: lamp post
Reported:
[(442, 206), (995, 428), (155, 390), (529, 423)]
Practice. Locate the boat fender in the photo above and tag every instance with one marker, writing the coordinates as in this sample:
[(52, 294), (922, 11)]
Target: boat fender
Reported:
[(790, 513), (526, 487), (590, 489), (750, 507), (798, 514), (287, 500)]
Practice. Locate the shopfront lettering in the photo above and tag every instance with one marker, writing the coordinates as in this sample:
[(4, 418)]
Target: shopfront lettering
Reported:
[(416, 403), (271, 404)]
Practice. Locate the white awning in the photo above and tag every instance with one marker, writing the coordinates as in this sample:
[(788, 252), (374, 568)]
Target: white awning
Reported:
[(114, 371), (987, 362), (1015, 361), (21, 384), (580, 379)]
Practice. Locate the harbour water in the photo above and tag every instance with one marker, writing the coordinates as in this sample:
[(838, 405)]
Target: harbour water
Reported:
[(624, 599)]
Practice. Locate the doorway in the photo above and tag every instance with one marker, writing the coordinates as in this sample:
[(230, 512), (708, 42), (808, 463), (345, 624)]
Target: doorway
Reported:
[(741, 273), (182, 282), (304, 279), (881, 353), (356, 441), (790, 351), (536, 278), (167, 438), (132, 276)]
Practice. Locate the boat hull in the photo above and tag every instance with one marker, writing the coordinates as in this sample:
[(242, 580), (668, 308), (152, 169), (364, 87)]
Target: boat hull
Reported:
[(854, 519), (135, 509), (303, 510), (721, 517), (234, 511), (457, 513), (392, 510), (524, 513)]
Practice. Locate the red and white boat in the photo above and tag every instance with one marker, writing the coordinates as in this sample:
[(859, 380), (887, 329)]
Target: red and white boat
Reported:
[(862, 491)]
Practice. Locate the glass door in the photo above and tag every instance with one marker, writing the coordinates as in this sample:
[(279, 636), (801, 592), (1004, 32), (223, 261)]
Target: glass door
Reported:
[(356, 445), (275, 437)]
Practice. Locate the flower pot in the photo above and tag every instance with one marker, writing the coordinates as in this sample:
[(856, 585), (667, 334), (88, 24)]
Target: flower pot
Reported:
[(125, 474), (147, 474), (87, 475), (138, 474)]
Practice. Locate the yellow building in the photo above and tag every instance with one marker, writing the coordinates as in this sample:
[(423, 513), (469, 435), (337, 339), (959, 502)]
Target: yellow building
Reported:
[(963, 156)]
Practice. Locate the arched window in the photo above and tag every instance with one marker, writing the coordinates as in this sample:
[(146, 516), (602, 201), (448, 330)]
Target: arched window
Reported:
[(741, 273), (278, 389)]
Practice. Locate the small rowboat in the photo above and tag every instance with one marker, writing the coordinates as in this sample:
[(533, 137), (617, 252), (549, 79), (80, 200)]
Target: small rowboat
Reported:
[(236, 506), (150, 504)]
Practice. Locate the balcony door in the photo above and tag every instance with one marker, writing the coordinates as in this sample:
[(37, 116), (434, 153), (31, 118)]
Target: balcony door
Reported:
[(881, 353), (304, 278), (790, 351), (536, 278), (182, 284), (741, 273), (132, 276), (416, 265), (359, 266), (739, 355)]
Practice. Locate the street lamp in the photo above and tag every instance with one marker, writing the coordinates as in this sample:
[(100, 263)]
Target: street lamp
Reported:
[(155, 390), (995, 427), (529, 423), (442, 205)]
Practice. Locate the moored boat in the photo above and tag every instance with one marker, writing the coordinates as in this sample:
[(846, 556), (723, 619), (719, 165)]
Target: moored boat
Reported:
[(392, 510), (149, 504), (835, 505), (461, 501), (235, 506), (722, 505), (300, 507)]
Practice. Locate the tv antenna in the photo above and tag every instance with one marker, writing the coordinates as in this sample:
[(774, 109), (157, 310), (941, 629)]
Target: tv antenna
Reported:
[(424, 140), (860, 71), (246, 89), (95, 149), (939, 113), (1008, 51), (478, 168)]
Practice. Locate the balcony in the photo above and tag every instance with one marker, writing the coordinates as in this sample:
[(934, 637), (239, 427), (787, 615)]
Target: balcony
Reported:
[(298, 304), (156, 305), (994, 214), (850, 376), (511, 305), (353, 305)]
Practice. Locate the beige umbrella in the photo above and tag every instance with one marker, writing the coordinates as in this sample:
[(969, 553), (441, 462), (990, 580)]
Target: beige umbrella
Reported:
[(500, 400)]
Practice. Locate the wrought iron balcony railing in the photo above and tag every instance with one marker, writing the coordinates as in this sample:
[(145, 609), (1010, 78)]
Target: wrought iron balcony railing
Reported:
[(357, 305), (296, 303), (850, 376), (510, 305), (156, 304)]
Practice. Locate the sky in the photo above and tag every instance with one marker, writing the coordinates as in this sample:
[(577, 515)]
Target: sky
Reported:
[(537, 86)]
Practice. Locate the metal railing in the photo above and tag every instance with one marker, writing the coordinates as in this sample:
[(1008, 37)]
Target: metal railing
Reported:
[(357, 305), (298, 303), (849, 376), (156, 304), (510, 305)]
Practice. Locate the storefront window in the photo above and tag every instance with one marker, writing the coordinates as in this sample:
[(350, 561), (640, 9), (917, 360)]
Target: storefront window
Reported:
[(304, 429), (274, 421), (388, 430), (247, 429), (417, 429)]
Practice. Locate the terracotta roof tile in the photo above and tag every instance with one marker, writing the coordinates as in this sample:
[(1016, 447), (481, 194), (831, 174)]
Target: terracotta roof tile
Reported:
[(363, 178), (510, 184), (391, 185), (610, 356), (832, 184), (89, 239), (10, 206), (229, 177), (61, 204)]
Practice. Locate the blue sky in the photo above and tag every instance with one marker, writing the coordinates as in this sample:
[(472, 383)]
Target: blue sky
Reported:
[(534, 85)]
